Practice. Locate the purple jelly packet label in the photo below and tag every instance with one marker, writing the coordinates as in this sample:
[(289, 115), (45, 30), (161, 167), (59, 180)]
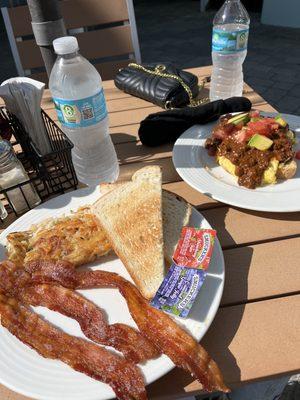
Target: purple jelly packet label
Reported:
[(179, 290)]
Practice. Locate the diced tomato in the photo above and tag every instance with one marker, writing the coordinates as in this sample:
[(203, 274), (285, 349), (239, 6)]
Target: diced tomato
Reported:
[(259, 127), (263, 127), (298, 155), (254, 114), (243, 135), (269, 120)]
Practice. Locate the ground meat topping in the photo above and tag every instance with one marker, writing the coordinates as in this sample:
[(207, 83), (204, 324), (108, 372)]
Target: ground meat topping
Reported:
[(251, 168), (230, 141), (232, 149), (250, 162), (282, 147), (211, 146)]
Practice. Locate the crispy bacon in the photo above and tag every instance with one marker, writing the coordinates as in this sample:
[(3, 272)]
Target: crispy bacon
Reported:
[(127, 340), (91, 319), (165, 334), (86, 357)]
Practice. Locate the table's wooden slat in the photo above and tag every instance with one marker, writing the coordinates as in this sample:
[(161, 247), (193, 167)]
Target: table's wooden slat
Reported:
[(113, 105), (124, 127), (6, 394), (136, 152), (123, 117), (237, 227), (261, 271), (248, 342), (128, 117)]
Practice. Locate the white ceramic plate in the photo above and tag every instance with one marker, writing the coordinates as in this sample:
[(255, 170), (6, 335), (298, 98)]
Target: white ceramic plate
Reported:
[(201, 171), (24, 371)]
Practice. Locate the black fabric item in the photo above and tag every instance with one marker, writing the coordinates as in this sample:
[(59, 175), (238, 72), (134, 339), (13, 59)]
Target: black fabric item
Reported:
[(291, 391), (167, 126), (156, 89)]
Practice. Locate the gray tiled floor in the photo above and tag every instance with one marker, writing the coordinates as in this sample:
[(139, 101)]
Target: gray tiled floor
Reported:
[(176, 31)]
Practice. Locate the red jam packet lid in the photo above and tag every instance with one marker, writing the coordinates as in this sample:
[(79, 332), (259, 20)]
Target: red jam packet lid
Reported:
[(194, 249)]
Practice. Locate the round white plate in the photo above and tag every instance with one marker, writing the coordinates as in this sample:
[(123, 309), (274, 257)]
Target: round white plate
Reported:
[(24, 371), (201, 171)]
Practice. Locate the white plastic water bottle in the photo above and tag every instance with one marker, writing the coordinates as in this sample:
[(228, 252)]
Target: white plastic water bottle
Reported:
[(229, 50), (76, 88)]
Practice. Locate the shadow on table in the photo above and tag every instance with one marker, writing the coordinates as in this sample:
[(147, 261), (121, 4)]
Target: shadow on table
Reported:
[(122, 137), (222, 331), (228, 319), (288, 216), (63, 200), (137, 152)]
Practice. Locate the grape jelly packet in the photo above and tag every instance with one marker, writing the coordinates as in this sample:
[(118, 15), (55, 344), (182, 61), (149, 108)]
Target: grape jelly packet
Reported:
[(179, 290), (186, 275)]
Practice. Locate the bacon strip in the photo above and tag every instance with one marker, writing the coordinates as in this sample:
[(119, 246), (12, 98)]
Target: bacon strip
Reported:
[(94, 361), (165, 334), (91, 319), (131, 343)]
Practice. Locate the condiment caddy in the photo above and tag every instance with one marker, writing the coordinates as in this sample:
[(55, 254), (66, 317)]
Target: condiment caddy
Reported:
[(27, 177)]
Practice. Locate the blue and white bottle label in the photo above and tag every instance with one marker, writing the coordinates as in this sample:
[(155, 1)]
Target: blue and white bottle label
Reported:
[(81, 113), (229, 42)]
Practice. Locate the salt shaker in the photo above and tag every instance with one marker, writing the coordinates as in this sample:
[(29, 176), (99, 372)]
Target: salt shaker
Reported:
[(13, 173)]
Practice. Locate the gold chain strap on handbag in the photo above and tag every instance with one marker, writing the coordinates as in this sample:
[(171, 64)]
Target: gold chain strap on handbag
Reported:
[(158, 71)]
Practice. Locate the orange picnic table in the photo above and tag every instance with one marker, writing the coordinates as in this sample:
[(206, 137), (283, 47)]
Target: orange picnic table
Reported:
[(255, 334)]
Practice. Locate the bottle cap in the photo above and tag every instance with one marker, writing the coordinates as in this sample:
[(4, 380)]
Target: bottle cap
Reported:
[(65, 45)]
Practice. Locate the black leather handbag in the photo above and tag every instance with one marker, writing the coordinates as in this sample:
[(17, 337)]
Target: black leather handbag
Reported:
[(161, 84)]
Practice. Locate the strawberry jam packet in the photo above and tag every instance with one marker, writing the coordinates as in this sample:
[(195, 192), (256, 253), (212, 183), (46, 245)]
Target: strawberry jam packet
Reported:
[(186, 275), (194, 249)]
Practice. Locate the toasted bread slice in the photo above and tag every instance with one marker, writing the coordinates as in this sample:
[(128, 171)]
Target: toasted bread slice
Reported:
[(176, 213), (148, 174), (131, 216)]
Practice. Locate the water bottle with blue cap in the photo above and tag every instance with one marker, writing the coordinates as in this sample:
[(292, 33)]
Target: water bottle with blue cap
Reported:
[(229, 50)]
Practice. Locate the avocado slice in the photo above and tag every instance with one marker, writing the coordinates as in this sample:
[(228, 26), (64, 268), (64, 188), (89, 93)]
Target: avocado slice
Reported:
[(281, 121), (260, 142), (237, 119)]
